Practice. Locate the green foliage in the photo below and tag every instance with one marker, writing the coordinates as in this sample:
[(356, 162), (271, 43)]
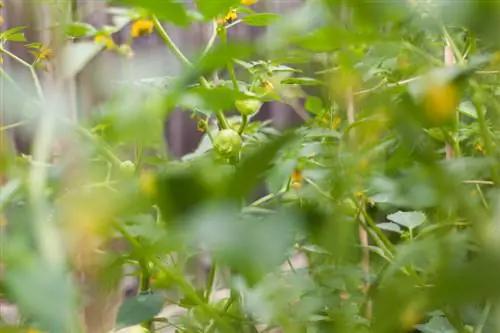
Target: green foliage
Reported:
[(388, 189)]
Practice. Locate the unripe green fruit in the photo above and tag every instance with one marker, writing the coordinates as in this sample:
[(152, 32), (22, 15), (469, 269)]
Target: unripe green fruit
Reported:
[(248, 107), (227, 143)]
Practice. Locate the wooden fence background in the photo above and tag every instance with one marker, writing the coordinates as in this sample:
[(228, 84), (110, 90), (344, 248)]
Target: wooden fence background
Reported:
[(180, 129)]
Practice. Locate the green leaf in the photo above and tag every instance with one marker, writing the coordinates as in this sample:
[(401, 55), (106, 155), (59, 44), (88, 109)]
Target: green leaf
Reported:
[(32, 283), (179, 191), (260, 19), (210, 9), (14, 34), (138, 310), (468, 109), (252, 167), (216, 98), (409, 220), (79, 30), (436, 325), (303, 81), (77, 56), (166, 10), (251, 246), (389, 227), (314, 105)]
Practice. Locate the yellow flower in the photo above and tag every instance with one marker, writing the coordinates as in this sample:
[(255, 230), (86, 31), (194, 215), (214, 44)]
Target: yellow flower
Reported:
[(1, 60), (1, 20), (229, 18), (32, 330), (106, 40), (44, 53), (479, 147), (248, 2), (141, 27), (296, 179), (267, 85)]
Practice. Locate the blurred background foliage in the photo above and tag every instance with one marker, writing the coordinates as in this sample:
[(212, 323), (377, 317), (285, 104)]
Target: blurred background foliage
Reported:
[(387, 188)]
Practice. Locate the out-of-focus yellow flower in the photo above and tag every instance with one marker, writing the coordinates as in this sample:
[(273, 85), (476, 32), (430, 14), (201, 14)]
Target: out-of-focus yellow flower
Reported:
[(267, 85), (248, 2), (141, 27), (106, 40), (1, 20), (45, 53), (229, 18), (1, 60), (147, 183), (296, 179), (479, 147), (441, 102)]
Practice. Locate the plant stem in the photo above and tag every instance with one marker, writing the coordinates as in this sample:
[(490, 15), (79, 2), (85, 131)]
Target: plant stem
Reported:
[(484, 316), (170, 43), (32, 70), (210, 281), (185, 287), (478, 101), (182, 58), (212, 39), (230, 65), (244, 122)]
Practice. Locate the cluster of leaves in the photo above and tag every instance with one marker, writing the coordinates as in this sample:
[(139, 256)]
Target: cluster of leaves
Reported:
[(397, 145)]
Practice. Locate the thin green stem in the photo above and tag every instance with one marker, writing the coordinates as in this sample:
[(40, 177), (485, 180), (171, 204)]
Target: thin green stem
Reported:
[(478, 101), (184, 286), (484, 317), (211, 281), (230, 65), (182, 58), (32, 70), (170, 43), (212, 39), (244, 122)]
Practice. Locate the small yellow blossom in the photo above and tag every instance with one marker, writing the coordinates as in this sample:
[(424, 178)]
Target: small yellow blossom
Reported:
[(267, 85), (45, 53), (3, 221), (106, 40), (248, 2), (141, 27), (359, 194), (1, 60), (296, 179), (229, 18), (32, 330), (1, 20), (479, 147)]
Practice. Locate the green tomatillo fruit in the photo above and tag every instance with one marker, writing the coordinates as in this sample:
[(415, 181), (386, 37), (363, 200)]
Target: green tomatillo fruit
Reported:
[(227, 143), (248, 107)]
